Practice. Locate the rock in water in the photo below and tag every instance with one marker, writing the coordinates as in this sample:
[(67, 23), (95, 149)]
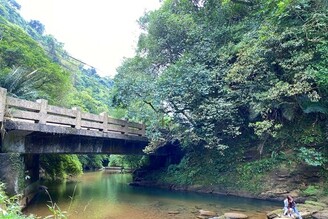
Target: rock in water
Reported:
[(233, 215), (207, 213), (173, 212), (272, 215)]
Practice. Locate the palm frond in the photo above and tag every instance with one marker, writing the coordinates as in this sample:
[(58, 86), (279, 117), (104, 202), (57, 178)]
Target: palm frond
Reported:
[(22, 83)]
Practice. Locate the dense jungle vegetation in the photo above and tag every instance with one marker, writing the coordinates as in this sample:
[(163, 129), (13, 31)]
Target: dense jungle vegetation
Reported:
[(239, 85)]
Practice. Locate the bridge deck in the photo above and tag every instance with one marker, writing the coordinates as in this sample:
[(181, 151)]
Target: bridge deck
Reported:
[(36, 127), (66, 120)]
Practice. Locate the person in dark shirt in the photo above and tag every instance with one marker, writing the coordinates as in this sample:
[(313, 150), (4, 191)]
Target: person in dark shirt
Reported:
[(290, 207)]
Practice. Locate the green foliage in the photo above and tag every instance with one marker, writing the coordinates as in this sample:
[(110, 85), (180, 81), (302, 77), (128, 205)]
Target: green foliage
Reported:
[(17, 49), (226, 75), (222, 72), (34, 65), (9, 206), (311, 190), (60, 166), (92, 161), (56, 212), (92, 93), (37, 26), (21, 83), (128, 161), (312, 157), (182, 173)]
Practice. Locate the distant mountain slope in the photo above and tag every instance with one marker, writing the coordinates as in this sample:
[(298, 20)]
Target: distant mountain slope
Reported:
[(26, 45)]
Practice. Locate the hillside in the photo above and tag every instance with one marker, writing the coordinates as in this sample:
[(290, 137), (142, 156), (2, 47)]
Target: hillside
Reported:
[(35, 65), (25, 45)]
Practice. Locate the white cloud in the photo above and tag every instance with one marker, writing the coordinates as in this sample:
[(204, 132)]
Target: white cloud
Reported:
[(99, 32)]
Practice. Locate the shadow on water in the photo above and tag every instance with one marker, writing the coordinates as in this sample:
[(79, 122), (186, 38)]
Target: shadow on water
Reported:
[(102, 195)]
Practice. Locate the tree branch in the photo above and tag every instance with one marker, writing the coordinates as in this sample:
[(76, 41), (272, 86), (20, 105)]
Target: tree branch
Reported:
[(244, 2), (177, 110)]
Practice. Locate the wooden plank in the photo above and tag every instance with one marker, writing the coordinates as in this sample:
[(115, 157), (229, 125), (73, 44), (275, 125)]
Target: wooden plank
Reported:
[(61, 111), (93, 125), (24, 104), (60, 120), (91, 117), (21, 114)]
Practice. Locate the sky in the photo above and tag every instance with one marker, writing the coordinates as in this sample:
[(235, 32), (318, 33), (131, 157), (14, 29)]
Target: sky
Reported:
[(98, 32)]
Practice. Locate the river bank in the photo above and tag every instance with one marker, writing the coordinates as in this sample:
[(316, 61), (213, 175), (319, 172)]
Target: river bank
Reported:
[(302, 182), (307, 208)]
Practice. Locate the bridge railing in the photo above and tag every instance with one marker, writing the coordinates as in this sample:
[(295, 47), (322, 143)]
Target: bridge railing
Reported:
[(41, 112)]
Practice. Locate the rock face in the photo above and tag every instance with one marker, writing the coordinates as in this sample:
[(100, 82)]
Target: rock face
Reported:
[(233, 215)]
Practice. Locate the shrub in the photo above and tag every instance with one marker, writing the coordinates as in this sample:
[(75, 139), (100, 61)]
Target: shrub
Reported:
[(9, 207), (312, 190)]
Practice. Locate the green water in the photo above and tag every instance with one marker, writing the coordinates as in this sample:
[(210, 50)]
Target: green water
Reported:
[(102, 195)]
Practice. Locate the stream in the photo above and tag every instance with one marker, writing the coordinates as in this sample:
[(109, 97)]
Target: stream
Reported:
[(102, 195)]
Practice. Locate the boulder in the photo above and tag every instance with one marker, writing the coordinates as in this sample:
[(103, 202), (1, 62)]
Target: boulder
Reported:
[(234, 215), (307, 214), (321, 215), (272, 215), (275, 214)]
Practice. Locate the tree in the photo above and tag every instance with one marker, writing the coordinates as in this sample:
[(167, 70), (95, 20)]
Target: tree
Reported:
[(222, 71), (38, 26), (14, 4)]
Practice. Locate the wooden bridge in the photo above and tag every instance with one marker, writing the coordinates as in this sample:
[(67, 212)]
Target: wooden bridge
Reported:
[(37, 127)]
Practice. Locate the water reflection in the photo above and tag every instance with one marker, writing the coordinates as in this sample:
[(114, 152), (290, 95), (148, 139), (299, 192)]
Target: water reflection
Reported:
[(101, 195)]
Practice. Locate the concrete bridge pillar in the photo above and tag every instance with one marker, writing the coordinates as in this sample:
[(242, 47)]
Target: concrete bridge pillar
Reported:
[(3, 94), (19, 172), (32, 167), (12, 172)]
